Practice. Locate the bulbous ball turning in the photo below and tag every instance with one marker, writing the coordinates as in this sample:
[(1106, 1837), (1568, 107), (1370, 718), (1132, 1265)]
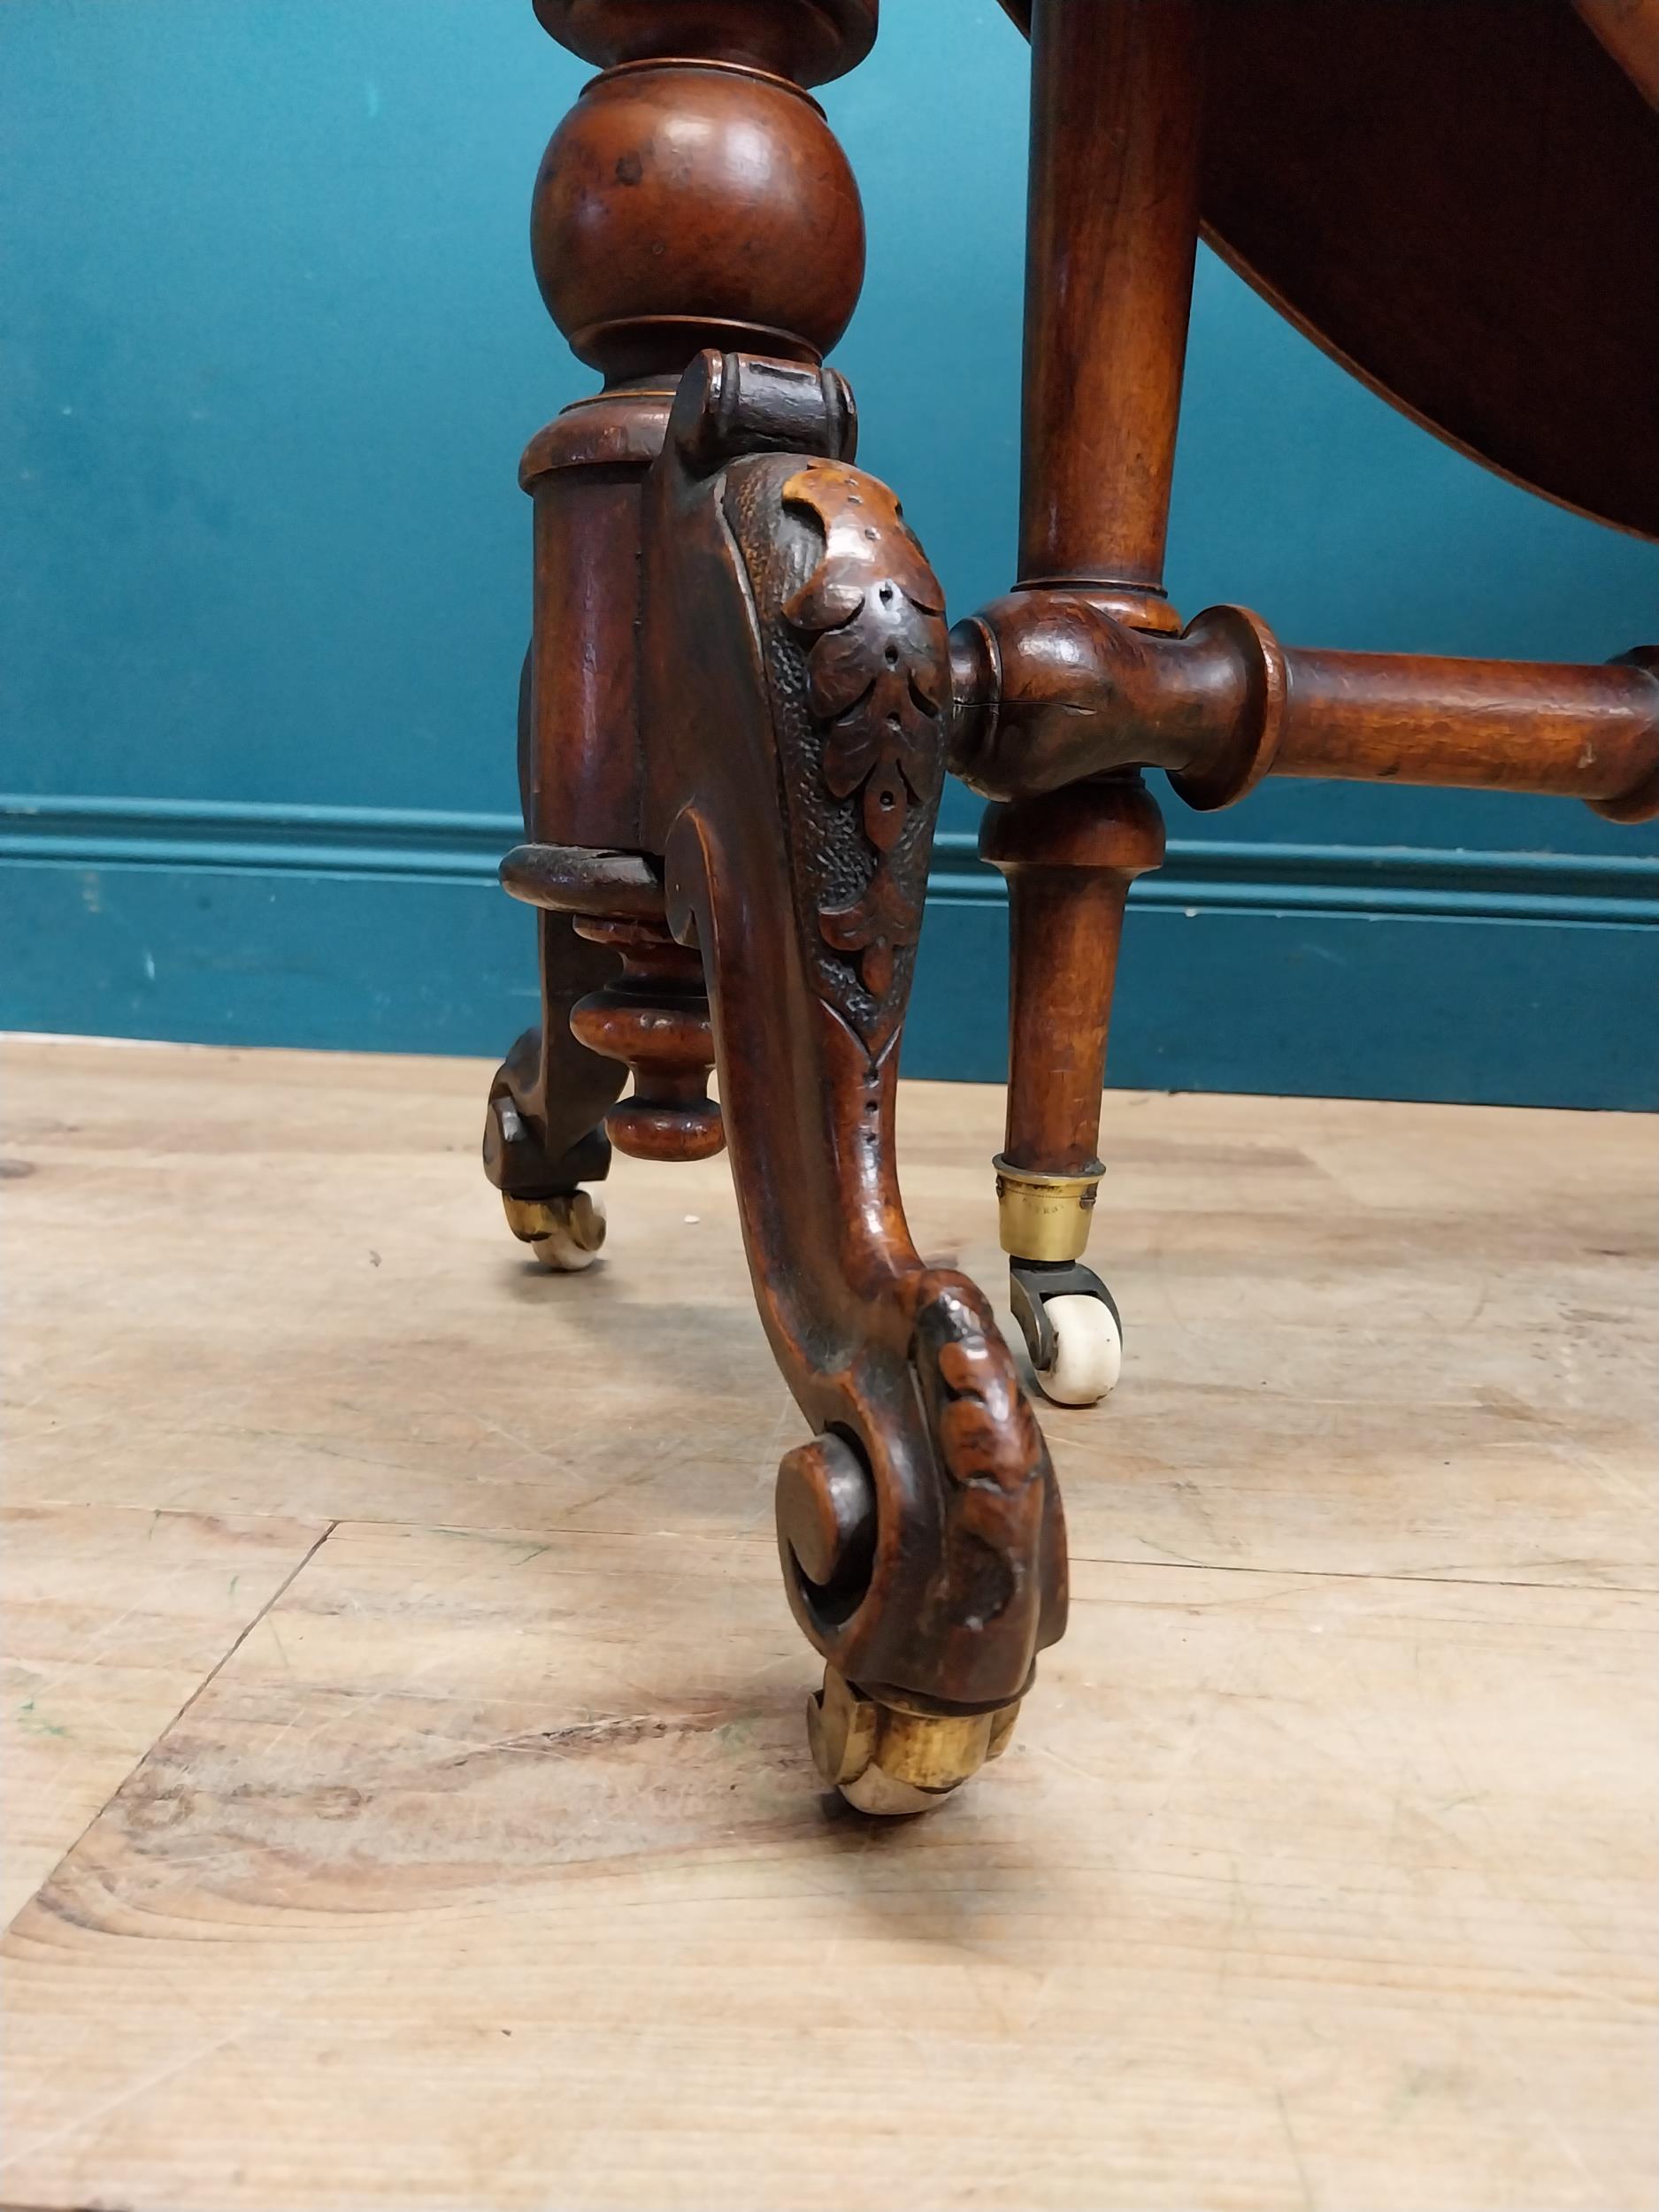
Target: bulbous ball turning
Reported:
[(685, 204)]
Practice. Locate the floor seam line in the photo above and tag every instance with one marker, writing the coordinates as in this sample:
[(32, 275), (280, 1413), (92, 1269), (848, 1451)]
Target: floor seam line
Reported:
[(149, 1753)]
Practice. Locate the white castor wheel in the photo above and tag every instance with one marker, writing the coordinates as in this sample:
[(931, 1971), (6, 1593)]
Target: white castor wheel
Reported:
[(1071, 1328), (565, 1233), (1088, 1351)]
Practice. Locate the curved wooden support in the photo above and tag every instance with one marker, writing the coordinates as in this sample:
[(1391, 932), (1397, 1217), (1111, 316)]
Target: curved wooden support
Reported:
[(541, 1122), (795, 685), (1050, 689), (1629, 29)]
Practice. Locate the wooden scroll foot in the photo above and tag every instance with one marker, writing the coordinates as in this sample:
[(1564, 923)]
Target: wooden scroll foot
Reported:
[(796, 698), (1070, 857)]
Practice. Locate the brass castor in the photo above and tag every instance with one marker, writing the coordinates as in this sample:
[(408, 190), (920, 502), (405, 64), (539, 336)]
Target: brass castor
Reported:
[(565, 1234), (895, 1759), (1069, 1319)]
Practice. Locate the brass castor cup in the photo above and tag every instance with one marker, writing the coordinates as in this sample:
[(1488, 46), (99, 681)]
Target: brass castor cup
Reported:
[(894, 1759), (565, 1234), (1069, 1319)]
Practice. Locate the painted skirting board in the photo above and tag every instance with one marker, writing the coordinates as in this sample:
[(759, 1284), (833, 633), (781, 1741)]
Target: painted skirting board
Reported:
[(1498, 977)]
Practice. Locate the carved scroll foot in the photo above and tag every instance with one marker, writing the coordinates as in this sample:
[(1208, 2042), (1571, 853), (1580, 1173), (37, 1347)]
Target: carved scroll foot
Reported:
[(796, 689)]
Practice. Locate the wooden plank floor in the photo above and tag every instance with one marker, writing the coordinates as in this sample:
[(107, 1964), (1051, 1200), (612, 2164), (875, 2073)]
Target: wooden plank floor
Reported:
[(406, 1800)]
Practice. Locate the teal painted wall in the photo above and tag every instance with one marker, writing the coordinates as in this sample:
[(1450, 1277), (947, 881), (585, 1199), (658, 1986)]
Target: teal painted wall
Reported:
[(270, 349)]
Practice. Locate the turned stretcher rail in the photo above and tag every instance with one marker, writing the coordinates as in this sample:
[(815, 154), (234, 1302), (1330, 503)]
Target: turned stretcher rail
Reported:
[(1574, 731), (1051, 688)]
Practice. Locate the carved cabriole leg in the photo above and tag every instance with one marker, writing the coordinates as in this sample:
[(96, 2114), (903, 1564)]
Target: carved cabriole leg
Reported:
[(796, 677)]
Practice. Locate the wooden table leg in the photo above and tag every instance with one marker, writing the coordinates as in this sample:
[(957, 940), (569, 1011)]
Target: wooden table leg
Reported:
[(796, 666), (738, 716), (1069, 859), (1113, 231)]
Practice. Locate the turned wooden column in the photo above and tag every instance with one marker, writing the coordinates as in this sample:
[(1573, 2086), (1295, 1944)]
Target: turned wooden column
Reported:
[(1112, 230), (1070, 858), (694, 196)]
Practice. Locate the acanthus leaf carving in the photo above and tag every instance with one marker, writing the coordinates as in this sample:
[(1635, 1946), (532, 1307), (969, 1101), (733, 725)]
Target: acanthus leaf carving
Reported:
[(999, 1483), (877, 658), (874, 927)]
